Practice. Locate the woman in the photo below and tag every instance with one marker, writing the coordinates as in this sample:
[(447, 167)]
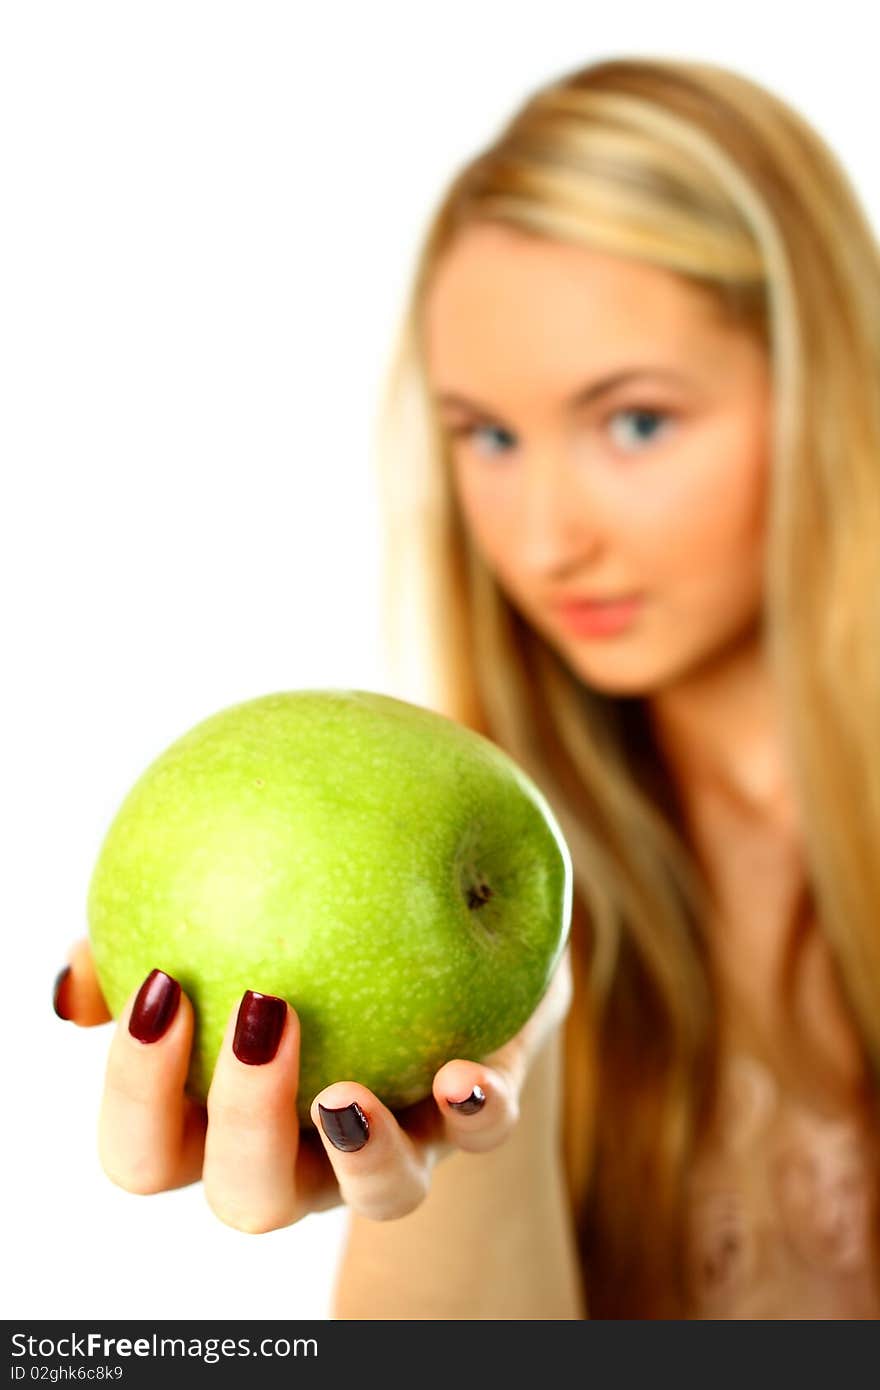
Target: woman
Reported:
[(688, 1126)]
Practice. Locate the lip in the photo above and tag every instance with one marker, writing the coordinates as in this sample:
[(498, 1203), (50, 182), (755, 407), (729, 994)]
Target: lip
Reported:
[(599, 619)]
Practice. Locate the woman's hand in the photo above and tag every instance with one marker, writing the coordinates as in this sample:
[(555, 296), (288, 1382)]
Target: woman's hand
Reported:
[(260, 1170)]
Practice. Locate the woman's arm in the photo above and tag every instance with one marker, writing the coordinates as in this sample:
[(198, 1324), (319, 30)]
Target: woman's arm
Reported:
[(493, 1239)]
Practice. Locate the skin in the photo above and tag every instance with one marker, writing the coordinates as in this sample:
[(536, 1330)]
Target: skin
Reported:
[(556, 500), (259, 1171), (595, 501), (659, 488)]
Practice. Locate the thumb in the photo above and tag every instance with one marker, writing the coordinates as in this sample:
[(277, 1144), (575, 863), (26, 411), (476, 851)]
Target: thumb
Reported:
[(76, 994)]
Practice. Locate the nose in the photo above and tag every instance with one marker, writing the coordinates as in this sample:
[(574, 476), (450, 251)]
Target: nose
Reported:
[(559, 519)]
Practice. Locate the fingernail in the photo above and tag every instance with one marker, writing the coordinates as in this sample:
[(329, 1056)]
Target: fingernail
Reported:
[(61, 994), (347, 1128), (258, 1027), (471, 1104), (155, 1007)]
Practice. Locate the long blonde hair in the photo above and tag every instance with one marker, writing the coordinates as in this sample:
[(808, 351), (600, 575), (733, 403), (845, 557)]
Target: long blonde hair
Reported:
[(698, 170)]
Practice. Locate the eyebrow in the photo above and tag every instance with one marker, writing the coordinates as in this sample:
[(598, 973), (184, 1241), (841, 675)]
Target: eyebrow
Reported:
[(584, 395)]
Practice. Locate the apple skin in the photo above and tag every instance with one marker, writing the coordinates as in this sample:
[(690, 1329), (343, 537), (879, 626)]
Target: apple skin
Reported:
[(394, 875)]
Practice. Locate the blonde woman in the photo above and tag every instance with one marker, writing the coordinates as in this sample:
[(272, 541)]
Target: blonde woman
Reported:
[(631, 452)]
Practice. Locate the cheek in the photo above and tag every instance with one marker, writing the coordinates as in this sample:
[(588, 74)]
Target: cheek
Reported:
[(690, 523), (488, 512), (705, 524)]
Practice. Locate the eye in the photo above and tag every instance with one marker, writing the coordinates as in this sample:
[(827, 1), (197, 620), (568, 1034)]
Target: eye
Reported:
[(644, 418), (471, 431)]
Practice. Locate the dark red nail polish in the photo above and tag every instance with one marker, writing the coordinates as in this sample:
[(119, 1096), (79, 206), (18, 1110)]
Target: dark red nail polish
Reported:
[(471, 1104), (347, 1128), (155, 1007), (258, 1027), (61, 994)]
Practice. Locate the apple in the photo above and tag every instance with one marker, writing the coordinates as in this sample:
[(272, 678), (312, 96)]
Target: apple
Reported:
[(394, 875)]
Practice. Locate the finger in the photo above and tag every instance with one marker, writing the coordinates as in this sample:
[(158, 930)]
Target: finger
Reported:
[(76, 995), (150, 1133), (253, 1132), (479, 1103), (382, 1174)]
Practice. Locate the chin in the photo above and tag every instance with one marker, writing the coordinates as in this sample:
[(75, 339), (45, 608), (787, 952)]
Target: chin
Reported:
[(634, 673), (618, 688)]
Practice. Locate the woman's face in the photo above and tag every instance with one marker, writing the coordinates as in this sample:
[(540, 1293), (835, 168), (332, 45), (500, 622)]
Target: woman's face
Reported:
[(655, 486)]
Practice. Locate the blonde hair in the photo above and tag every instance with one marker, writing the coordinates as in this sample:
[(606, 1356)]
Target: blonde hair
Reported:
[(696, 169)]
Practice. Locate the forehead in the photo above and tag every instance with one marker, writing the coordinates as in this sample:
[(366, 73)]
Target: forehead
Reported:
[(500, 299)]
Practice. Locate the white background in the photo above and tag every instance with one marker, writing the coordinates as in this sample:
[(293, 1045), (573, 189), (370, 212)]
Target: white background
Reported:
[(209, 215)]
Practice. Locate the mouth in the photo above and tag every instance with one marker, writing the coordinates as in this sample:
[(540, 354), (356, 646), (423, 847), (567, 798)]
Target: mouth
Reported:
[(589, 618)]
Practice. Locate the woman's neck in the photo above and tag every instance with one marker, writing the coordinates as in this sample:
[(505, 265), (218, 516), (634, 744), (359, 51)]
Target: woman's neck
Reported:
[(719, 735)]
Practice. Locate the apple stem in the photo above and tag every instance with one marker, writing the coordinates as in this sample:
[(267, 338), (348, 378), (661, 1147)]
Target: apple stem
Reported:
[(479, 895)]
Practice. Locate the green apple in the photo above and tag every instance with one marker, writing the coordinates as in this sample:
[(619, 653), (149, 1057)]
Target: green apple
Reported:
[(394, 875)]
